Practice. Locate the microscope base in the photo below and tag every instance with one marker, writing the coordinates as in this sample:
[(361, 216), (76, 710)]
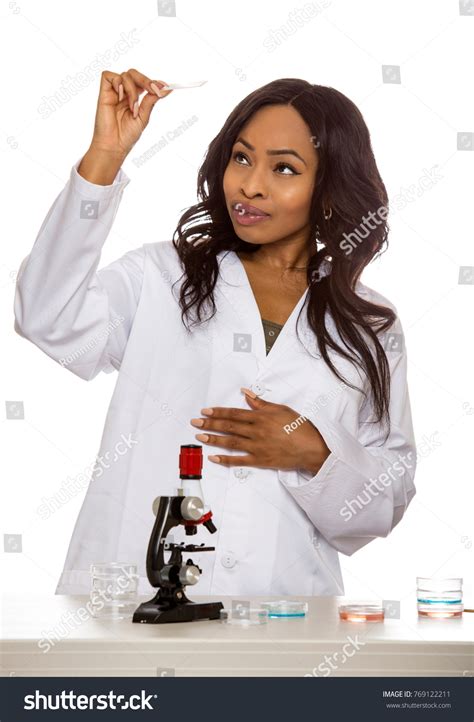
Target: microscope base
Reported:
[(157, 611)]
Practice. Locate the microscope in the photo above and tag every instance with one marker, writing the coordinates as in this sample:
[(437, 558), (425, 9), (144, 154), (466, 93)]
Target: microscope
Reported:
[(173, 576)]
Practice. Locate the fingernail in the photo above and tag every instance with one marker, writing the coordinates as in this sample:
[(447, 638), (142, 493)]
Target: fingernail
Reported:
[(120, 92), (209, 412), (213, 458), (250, 393), (197, 422), (155, 89), (135, 109)]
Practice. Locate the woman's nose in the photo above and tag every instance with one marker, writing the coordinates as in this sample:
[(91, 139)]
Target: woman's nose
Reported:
[(254, 184)]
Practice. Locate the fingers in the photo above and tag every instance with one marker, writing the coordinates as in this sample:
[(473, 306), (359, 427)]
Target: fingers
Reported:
[(112, 80), (239, 428), (116, 82), (130, 85), (134, 83), (232, 460), (146, 106), (229, 412), (157, 86), (235, 443), (108, 80)]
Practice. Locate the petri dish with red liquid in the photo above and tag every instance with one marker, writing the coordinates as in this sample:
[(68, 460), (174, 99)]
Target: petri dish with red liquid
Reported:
[(361, 612)]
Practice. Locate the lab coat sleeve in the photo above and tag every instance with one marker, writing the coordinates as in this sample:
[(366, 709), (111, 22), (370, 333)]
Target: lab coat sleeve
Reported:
[(77, 315), (365, 485)]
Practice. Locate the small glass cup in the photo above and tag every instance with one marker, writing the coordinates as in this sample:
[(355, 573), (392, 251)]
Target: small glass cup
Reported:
[(439, 598), (250, 617), (114, 588)]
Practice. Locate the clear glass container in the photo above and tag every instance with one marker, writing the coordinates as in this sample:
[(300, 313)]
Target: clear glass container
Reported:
[(439, 598), (361, 612), (249, 618), (285, 608), (114, 588)]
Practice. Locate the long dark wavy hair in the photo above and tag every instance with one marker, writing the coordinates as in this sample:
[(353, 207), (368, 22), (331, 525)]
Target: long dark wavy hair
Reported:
[(348, 182)]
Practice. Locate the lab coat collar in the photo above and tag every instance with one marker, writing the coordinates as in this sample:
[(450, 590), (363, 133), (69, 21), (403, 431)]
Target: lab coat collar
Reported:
[(237, 291)]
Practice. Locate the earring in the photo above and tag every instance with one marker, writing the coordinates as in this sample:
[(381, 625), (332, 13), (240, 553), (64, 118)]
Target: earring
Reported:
[(324, 270), (328, 216)]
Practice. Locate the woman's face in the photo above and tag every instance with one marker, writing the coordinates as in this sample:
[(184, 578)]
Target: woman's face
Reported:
[(272, 167)]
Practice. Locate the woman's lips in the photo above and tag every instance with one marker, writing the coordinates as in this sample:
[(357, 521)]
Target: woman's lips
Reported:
[(247, 219)]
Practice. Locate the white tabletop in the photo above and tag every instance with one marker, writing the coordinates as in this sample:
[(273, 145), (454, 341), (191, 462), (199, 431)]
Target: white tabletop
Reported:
[(317, 645)]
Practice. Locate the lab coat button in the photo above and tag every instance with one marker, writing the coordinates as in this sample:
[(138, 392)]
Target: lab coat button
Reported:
[(228, 560), (241, 473), (258, 389)]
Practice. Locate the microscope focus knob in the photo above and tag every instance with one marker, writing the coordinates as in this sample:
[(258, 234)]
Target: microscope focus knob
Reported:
[(192, 508), (189, 574)]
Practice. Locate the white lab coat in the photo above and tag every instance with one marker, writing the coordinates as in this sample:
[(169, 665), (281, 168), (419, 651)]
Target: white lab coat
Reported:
[(279, 532)]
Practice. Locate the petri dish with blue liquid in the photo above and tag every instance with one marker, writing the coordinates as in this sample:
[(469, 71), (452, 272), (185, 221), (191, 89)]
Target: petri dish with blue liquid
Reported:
[(285, 609)]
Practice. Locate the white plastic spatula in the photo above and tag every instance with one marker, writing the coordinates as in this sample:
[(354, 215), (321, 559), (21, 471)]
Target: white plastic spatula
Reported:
[(181, 86)]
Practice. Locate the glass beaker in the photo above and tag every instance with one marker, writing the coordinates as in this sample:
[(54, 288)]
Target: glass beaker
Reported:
[(439, 598), (113, 589)]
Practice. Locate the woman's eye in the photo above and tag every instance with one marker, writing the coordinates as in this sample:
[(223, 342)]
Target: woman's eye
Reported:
[(237, 153), (285, 165), (280, 165)]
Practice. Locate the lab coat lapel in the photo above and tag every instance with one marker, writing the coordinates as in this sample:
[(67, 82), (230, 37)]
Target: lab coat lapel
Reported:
[(243, 315), (247, 322)]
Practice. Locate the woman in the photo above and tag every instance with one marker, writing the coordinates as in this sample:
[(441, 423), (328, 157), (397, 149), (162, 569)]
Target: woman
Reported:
[(250, 326)]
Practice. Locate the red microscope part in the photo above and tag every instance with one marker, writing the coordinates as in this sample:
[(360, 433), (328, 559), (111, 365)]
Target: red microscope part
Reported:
[(190, 467)]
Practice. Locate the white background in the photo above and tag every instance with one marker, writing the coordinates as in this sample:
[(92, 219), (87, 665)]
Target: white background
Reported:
[(414, 127)]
